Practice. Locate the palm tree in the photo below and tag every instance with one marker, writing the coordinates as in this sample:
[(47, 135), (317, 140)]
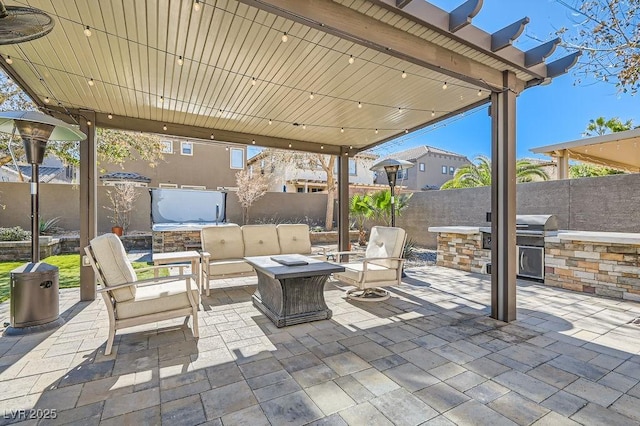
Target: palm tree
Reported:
[(479, 174), (601, 126), (360, 207), (381, 203)]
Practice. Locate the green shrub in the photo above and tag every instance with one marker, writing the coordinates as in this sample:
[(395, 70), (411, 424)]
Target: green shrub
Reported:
[(410, 252), (48, 227), (14, 234)]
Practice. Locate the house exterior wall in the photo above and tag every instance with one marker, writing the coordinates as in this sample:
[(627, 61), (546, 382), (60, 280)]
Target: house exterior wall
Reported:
[(416, 179), (284, 175), (208, 166)]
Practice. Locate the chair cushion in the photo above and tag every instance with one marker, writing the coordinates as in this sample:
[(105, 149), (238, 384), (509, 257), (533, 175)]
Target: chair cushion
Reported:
[(223, 242), (375, 273), (385, 241), (115, 266), (230, 267), (152, 299), (294, 238), (260, 240)]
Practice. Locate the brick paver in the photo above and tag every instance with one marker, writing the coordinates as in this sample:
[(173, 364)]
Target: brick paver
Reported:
[(428, 355)]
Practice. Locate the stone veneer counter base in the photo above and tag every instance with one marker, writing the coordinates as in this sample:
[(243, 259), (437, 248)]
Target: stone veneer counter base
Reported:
[(602, 263)]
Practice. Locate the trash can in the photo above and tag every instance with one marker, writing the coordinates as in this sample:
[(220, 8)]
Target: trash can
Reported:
[(34, 295)]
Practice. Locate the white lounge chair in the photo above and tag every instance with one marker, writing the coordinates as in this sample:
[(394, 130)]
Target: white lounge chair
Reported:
[(131, 302), (380, 267)]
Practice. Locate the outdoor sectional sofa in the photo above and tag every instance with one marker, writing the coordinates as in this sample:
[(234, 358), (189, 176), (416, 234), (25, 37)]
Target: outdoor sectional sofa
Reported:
[(224, 247)]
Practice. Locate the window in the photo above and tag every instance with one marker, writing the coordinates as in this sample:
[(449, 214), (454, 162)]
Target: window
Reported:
[(186, 148), (300, 189), (237, 158), (353, 170), (444, 170), (193, 187), (452, 170), (167, 185), (166, 147), (402, 174), (421, 167)]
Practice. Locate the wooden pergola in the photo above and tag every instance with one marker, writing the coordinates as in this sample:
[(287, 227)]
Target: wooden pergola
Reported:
[(325, 76)]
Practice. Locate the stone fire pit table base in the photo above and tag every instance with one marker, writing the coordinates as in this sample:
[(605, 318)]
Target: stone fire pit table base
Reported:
[(290, 295)]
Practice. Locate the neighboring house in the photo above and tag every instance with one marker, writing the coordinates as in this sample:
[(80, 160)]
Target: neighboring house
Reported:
[(549, 166), (432, 168), (114, 178), (52, 170), (187, 163), (306, 175)]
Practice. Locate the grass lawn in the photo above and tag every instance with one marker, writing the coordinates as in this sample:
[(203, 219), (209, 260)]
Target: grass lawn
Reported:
[(69, 272)]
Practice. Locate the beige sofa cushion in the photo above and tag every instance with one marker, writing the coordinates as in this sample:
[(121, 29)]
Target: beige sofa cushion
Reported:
[(116, 268), (386, 241), (169, 296), (230, 267), (294, 238), (260, 240), (375, 273), (223, 242)]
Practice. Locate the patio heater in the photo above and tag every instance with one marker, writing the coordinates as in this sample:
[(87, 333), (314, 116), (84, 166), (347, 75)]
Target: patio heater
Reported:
[(391, 167), (34, 285)]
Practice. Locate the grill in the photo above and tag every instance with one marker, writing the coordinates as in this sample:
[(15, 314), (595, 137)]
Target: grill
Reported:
[(530, 233)]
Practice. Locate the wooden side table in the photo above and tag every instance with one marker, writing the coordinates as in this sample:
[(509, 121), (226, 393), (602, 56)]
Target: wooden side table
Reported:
[(181, 257)]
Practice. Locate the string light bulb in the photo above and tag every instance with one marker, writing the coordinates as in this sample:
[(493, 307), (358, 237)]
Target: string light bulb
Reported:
[(351, 60), (304, 126), (341, 129), (376, 131), (91, 82), (479, 92), (253, 81), (404, 74), (285, 38), (212, 137), (110, 116), (8, 60), (46, 100), (433, 113), (359, 105), (164, 127), (253, 141), (180, 60), (161, 99), (87, 31), (196, 5), (289, 145), (321, 146), (226, 148), (406, 131), (311, 95), (88, 122), (444, 86), (270, 122)]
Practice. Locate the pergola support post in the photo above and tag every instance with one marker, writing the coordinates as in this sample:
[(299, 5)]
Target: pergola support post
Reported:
[(503, 201), (88, 201), (563, 164), (343, 201)]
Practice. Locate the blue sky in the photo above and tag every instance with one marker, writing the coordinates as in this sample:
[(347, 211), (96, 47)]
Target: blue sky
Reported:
[(546, 115)]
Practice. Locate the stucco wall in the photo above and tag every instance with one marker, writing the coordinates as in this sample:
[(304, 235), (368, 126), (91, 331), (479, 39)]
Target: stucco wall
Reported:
[(607, 203), (64, 201)]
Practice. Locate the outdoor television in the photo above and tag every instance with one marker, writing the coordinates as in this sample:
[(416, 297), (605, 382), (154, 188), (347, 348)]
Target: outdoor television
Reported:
[(171, 208)]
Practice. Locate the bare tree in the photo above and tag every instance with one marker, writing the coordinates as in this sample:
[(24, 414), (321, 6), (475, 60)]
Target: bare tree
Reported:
[(251, 186), (607, 32), (122, 198)]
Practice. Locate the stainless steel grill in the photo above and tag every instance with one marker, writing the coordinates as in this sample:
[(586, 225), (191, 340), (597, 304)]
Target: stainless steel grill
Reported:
[(530, 233)]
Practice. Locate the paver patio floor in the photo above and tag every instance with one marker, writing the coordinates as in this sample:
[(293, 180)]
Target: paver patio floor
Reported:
[(428, 355)]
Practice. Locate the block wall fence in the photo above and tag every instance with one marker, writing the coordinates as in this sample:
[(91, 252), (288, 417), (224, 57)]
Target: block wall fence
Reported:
[(607, 203)]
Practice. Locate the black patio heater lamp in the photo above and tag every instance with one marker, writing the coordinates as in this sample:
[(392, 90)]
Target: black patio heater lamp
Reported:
[(34, 302), (391, 167)]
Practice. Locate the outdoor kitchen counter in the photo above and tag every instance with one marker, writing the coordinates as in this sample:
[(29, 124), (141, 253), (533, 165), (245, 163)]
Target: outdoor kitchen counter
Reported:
[(603, 263)]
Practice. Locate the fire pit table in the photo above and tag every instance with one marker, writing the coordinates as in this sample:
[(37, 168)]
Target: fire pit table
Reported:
[(291, 288)]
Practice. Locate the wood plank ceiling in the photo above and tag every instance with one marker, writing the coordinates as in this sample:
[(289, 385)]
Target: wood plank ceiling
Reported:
[(225, 72)]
